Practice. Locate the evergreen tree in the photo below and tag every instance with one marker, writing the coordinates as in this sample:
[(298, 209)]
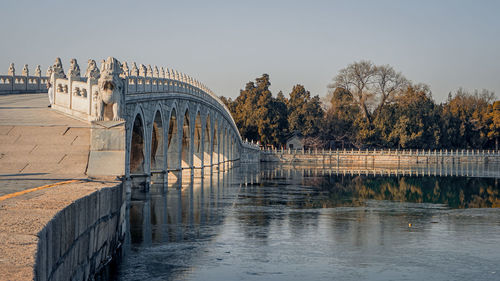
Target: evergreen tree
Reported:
[(304, 112)]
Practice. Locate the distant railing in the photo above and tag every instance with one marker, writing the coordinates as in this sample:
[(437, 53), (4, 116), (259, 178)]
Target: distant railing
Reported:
[(386, 156), (386, 152), (250, 144), (13, 84)]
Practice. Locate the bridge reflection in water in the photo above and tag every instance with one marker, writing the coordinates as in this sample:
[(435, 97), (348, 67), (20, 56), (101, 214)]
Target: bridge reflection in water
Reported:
[(289, 222)]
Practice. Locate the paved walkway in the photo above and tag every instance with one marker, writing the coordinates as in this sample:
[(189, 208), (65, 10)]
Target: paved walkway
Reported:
[(23, 217), (39, 146)]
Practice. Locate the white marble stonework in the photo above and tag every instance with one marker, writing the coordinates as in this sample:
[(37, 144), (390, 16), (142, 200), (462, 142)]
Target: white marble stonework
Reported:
[(170, 122)]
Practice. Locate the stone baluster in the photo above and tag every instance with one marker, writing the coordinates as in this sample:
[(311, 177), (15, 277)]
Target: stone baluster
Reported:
[(93, 71), (125, 70), (134, 72), (74, 70), (156, 72), (149, 72), (57, 69), (38, 71), (12, 70), (142, 70), (26, 71), (102, 64), (49, 71)]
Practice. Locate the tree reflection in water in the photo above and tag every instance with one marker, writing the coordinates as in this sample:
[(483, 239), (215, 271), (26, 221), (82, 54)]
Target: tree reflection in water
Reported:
[(289, 223)]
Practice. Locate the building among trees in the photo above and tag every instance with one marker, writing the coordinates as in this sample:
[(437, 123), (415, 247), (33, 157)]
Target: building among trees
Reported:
[(295, 141)]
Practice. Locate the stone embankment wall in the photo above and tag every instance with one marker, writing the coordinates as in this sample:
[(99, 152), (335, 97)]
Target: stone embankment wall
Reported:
[(249, 154), (83, 237), (383, 157)]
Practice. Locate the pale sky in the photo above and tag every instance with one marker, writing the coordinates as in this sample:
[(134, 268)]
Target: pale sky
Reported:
[(225, 44)]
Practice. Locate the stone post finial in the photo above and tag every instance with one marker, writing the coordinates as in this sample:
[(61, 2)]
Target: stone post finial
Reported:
[(149, 72), (92, 70), (142, 70), (112, 66), (38, 71), (74, 69), (102, 64), (134, 71), (125, 70), (57, 69), (49, 71), (26, 71), (176, 75), (156, 72), (12, 70), (169, 74), (162, 72)]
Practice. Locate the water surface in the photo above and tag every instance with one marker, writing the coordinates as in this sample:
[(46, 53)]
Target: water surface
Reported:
[(311, 223)]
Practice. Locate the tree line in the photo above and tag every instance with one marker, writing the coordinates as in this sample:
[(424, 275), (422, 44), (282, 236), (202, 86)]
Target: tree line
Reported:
[(368, 106)]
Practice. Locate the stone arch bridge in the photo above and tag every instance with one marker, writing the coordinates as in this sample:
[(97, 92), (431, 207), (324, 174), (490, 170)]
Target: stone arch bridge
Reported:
[(146, 122)]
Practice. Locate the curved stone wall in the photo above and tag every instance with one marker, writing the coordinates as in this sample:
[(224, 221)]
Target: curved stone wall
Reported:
[(82, 238)]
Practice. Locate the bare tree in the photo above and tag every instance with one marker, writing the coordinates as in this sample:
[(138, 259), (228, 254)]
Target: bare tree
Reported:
[(358, 78), (369, 83), (388, 83)]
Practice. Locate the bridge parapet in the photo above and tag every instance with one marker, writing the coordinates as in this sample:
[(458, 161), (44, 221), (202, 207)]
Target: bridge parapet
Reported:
[(168, 121), (147, 121), (75, 95), (24, 83)]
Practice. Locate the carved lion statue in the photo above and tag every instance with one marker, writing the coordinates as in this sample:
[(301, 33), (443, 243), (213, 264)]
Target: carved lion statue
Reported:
[(92, 70), (12, 70), (110, 91), (57, 69)]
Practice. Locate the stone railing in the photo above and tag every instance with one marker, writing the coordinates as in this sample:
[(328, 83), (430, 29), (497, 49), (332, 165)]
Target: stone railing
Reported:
[(251, 144), (388, 152), (24, 83), (74, 94), (385, 156)]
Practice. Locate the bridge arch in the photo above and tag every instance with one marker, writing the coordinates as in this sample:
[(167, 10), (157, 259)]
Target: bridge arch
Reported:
[(231, 148), (185, 143), (157, 143), (215, 143), (226, 141), (207, 137), (137, 143), (173, 155), (197, 141)]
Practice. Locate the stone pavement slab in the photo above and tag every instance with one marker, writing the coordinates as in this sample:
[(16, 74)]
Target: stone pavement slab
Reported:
[(39, 146)]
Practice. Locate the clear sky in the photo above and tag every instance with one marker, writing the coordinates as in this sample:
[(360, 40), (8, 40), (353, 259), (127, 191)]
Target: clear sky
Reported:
[(225, 44)]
